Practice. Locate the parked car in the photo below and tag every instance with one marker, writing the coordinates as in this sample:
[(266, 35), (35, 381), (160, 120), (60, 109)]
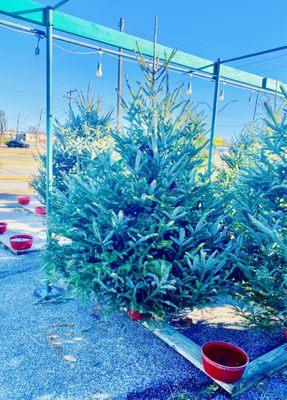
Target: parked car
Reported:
[(17, 143)]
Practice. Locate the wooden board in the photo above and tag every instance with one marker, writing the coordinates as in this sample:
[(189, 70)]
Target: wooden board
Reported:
[(39, 243), (33, 11), (255, 372)]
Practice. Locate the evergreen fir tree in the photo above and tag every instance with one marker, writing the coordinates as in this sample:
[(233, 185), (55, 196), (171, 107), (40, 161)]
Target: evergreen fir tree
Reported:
[(260, 220), (85, 133), (146, 230)]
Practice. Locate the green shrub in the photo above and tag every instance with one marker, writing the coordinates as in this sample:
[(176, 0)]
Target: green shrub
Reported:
[(144, 227)]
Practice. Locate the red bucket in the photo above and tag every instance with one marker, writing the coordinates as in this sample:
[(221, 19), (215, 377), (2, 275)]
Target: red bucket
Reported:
[(3, 227), (40, 210), (24, 200), (21, 242), (135, 315), (223, 361)]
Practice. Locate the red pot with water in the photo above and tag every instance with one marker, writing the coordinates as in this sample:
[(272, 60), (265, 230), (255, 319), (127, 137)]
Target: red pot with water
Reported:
[(40, 210), (223, 361), (21, 242), (3, 227), (24, 200), (135, 315)]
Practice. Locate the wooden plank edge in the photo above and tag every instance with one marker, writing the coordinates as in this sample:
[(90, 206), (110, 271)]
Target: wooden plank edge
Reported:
[(182, 345), (261, 368), (256, 371)]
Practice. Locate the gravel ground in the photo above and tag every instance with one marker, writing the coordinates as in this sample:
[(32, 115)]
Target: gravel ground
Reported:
[(112, 359)]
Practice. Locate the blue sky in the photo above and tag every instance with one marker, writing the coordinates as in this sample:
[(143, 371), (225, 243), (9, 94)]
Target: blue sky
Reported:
[(210, 29)]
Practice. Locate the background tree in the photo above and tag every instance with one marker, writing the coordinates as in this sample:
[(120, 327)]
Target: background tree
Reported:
[(3, 122), (85, 133)]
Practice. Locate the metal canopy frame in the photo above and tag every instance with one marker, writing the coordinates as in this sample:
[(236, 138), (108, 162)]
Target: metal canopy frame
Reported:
[(52, 19)]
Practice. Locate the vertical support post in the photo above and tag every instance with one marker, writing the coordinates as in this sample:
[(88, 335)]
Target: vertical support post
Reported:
[(120, 79), (49, 112), (255, 108), (217, 66), (154, 70), (275, 97)]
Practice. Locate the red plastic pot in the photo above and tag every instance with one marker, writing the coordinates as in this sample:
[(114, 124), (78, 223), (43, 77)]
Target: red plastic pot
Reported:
[(40, 210), (24, 200), (135, 315), (223, 361), (3, 227), (21, 242)]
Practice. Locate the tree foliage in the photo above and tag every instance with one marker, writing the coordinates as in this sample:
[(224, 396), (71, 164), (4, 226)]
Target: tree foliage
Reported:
[(82, 136), (259, 212), (143, 226)]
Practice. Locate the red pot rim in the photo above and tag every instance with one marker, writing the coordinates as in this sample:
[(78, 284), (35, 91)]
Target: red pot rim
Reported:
[(4, 224), (40, 209), (24, 236), (136, 315), (231, 346)]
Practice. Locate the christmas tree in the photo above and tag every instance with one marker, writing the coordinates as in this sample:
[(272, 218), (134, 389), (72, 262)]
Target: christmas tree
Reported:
[(260, 221), (144, 224), (85, 133)]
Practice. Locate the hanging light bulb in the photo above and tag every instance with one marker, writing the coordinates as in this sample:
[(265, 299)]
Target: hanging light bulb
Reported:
[(221, 96), (189, 87), (99, 72), (251, 96)]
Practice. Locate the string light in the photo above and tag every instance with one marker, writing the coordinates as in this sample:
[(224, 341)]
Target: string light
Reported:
[(189, 86), (99, 72), (251, 96), (221, 96)]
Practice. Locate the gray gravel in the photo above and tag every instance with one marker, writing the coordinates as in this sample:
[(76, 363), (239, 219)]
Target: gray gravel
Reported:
[(113, 358)]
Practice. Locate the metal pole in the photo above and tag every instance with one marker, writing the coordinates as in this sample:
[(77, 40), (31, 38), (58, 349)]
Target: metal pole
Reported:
[(154, 63), (49, 112), (214, 114), (255, 108), (120, 79), (258, 53), (275, 97)]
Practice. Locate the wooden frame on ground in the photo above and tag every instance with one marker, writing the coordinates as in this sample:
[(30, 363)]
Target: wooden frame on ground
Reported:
[(256, 371)]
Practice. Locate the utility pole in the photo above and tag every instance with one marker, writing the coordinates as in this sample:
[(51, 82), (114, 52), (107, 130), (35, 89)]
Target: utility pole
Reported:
[(155, 33), (38, 126), (120, 79), (69, 96), (18, 123)]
